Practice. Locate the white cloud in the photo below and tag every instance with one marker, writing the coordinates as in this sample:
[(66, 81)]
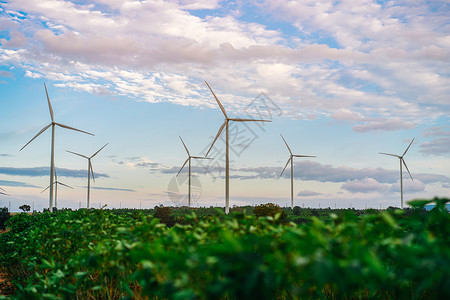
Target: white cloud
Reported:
[(440, 144), (409, 186), (306, 193), (384, 125), (367, 185), (385, 67)]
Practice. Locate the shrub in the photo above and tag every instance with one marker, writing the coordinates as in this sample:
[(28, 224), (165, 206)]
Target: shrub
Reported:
[(4, 216), (297, 210), (25, 207), (269, 210), (164, 215)]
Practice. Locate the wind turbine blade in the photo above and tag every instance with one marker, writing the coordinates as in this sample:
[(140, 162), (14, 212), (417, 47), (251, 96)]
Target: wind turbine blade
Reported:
[(56, 178), (49, 104), (77, 154), (184, 146), (43, 129), (286, 165), (249, 120), (286, 144), (408, 147), (71, 128), (404, 163), (92, 170), (45, 189), (183, 166), (99, 150), (65, 185), (201, 157), (218, 133), (2, 189), (218, 102), (4, 194), (304, 155), (389, 154)]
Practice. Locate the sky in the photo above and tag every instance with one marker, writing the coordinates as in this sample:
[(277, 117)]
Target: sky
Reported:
[(341, 80)]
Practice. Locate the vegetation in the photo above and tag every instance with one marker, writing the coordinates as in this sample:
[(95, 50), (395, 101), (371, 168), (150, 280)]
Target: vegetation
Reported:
[(25, 208), (112, 254), (4, 216)]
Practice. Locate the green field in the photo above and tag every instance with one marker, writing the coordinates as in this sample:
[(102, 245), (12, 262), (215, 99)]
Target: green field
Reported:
[(203, 254)]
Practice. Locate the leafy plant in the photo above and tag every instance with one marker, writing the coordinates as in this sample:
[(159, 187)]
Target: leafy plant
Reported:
[(4, 216)]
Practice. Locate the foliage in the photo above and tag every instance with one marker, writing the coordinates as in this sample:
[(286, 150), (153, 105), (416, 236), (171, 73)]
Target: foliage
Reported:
[(269, 210), (25, 208), (297, 210), (164, 215), (99, 254), (4, 216)]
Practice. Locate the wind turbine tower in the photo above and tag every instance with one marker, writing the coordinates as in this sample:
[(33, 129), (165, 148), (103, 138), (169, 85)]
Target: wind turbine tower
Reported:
[(227, 152), (291, 159)]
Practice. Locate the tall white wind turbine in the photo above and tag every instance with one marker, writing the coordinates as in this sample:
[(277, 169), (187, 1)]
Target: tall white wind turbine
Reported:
[(52, 159), (402, 161), (56, 189), (90, 170), (227, 154), (189, 160), (291, 159)]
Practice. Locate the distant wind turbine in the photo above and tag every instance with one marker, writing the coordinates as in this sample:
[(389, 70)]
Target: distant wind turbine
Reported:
[(56, 189), (402, 161), (292, 169), (90, 170), (189, 159), (52, 160), (227, 154), (1, 193)]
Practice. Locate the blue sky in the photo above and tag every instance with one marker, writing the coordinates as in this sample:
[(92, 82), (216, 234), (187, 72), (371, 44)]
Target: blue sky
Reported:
[(342, 80)]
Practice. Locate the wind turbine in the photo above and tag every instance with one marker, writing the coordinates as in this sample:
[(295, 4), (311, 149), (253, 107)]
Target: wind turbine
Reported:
[(227, 154), (189, 159), (402, 161), (1, 193), (52, 159), (292, 169), (56, 189), (90, 170)]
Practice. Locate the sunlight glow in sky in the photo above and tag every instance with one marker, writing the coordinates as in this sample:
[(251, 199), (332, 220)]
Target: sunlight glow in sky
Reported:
[(342, 80)]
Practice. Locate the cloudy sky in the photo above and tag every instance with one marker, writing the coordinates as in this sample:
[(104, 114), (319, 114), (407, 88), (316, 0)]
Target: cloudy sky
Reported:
[(342, 80)]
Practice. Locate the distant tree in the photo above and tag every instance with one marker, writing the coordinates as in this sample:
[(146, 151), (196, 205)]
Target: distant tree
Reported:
[(4, 216), (297, 210), (164, 215), (269, 209), (25, 207)]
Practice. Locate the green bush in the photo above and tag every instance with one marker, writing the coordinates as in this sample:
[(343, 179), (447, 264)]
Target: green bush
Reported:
[(297, 210), (4, 216), (269, 210), (164, 215)]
